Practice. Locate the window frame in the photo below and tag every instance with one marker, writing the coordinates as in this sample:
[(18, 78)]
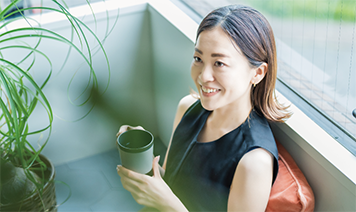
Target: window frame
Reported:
[(321, 119)]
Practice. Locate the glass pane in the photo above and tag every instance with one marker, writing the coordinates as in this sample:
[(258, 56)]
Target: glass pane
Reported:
[(316, 50)]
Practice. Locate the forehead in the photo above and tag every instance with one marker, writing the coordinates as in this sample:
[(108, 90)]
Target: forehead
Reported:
[(217, 40)]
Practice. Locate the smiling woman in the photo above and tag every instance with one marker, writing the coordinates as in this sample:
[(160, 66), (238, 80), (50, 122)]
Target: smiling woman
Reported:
[(222, 155), (257, 50), (316, 58), (221, 73)]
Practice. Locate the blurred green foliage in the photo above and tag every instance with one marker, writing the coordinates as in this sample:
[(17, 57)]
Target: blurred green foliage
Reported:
[(310, 9)]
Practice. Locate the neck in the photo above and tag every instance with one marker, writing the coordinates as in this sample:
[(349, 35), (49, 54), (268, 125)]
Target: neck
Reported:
[(230, 116)]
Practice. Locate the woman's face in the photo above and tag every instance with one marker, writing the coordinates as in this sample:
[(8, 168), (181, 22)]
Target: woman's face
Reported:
[(220, 71)]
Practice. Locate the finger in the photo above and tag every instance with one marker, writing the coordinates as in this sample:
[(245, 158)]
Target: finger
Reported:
[(135, 128), (139, 199), (124, 172), (122, 129), (125, 128), (155, 167), (140, 128), (130, 185), (127, 182)]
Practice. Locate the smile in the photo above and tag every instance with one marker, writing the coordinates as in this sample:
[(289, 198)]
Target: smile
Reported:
[(209, 90)]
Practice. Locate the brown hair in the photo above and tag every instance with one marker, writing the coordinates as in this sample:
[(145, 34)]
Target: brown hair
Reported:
[(251, 32)]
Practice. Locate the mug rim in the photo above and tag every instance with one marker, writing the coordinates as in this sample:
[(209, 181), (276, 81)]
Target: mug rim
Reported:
[(135, 150)]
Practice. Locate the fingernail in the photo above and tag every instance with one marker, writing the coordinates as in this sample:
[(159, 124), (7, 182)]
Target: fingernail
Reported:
[(158, 157)]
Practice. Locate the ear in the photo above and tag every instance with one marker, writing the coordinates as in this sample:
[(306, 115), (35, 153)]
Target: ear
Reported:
[(259, 73)]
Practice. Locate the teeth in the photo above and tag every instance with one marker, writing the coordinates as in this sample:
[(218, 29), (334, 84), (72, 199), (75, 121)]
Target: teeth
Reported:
[(207, 90)]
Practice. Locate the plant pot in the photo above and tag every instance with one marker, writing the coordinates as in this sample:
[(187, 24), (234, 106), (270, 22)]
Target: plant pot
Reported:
[(35, 203)]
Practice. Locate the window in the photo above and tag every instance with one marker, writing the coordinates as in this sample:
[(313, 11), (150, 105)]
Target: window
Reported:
[(316, 57)]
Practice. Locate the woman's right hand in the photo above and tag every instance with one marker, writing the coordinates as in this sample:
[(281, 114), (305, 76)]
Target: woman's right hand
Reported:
[(125, 128)]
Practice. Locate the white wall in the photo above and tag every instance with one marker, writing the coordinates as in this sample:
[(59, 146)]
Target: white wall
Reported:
[(172, 52), (129, 98)]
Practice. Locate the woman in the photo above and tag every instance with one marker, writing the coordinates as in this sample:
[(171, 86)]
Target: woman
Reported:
[(222, 155)]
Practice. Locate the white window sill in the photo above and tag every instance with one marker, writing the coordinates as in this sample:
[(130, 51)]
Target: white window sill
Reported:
[(307, 134)]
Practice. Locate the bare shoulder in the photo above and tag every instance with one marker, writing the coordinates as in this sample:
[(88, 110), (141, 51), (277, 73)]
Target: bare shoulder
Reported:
[(184, 104), (251, 185), (258, 159)]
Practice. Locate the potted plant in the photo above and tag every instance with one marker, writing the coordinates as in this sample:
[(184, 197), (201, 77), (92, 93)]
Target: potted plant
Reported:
[(26, 176)]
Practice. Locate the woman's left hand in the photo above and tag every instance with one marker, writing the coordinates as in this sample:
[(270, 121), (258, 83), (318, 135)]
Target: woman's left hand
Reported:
[(150, 191)]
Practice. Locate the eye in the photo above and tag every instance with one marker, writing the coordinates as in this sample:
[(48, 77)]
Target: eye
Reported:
[(219, 64), (197, 59)]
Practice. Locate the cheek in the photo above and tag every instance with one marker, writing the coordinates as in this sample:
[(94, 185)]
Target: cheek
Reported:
[(235, 83), (194, 72)]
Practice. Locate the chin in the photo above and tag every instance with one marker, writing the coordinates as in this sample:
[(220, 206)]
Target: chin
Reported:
[(207, 106)]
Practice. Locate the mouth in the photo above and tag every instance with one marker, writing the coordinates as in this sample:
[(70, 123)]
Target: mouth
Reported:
[(209, 90)]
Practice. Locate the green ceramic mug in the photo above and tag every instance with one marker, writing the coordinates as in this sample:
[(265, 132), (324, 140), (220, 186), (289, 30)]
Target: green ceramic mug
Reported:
[(136, 150)]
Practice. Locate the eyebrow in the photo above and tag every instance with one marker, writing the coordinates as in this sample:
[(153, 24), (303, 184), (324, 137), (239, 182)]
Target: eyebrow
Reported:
[(218, 55), (213, 54), (197, 50)]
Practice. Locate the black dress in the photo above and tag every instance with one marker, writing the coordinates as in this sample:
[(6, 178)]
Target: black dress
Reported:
[(200, 174)]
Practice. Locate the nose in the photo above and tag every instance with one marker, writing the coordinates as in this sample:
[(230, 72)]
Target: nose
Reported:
[(206, 74)]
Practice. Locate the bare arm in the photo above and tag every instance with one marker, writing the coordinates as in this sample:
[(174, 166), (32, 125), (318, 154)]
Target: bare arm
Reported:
[(252, 182), (183, 106), (152, 191)]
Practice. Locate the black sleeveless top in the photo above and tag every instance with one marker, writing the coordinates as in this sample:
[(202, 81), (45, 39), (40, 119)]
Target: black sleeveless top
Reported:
[(200, 174)]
